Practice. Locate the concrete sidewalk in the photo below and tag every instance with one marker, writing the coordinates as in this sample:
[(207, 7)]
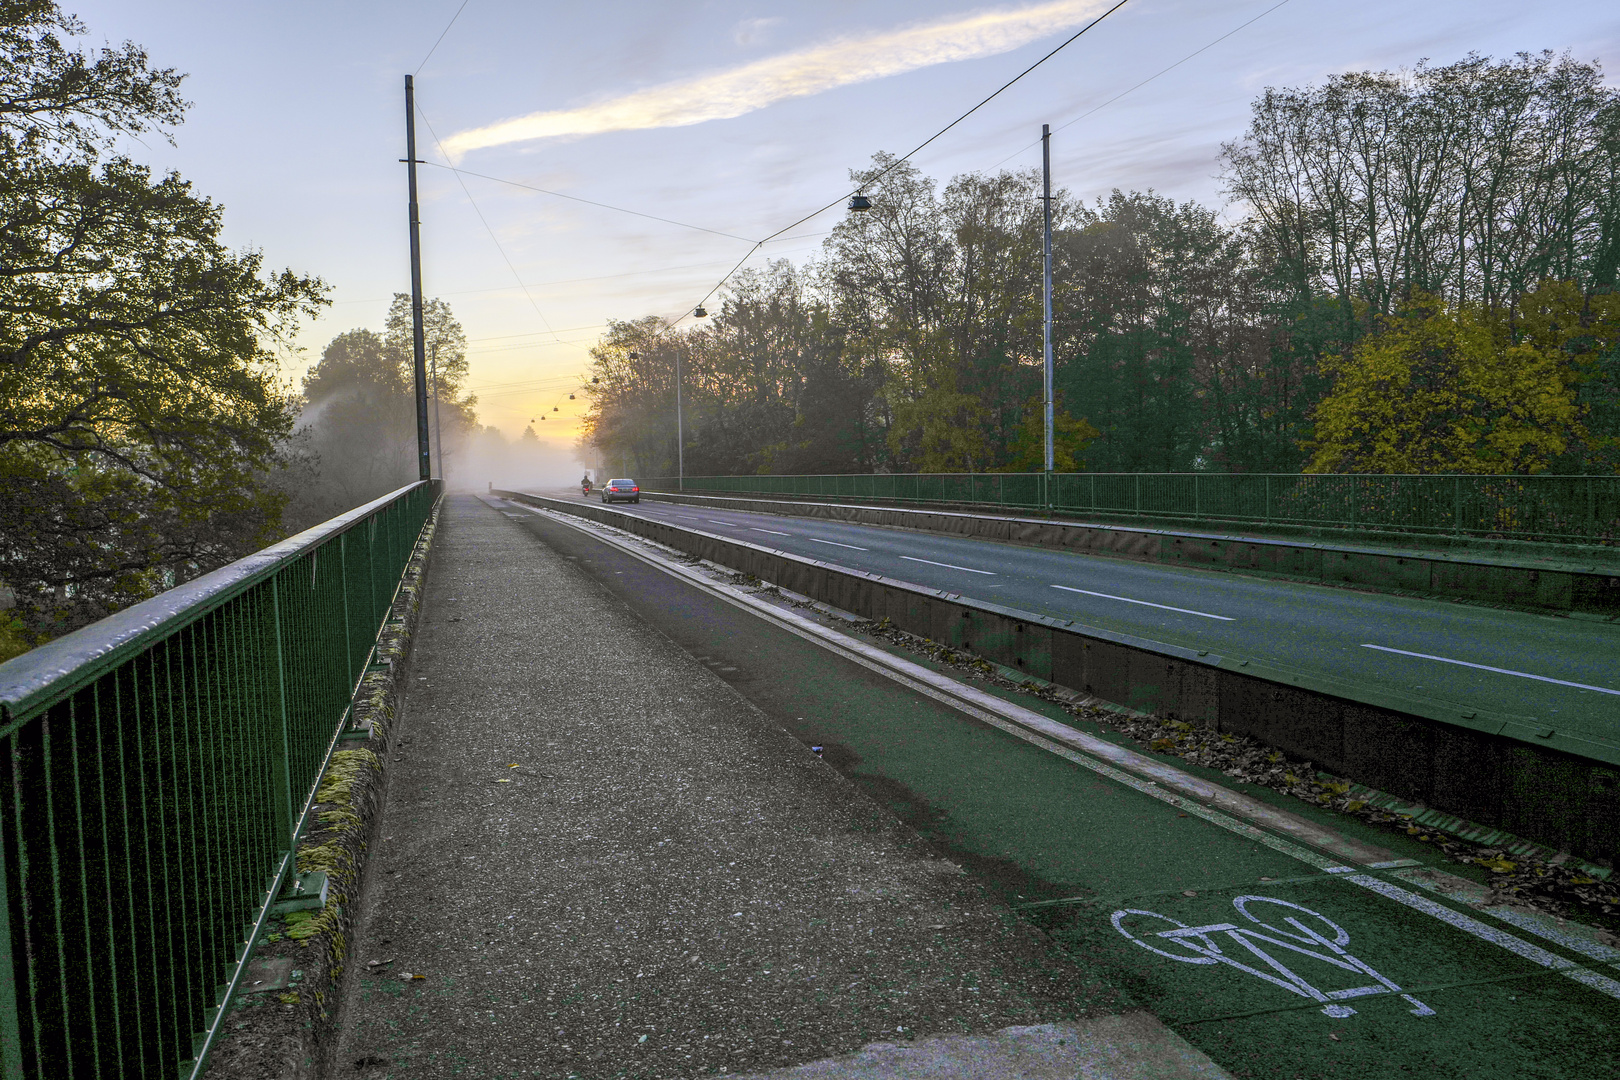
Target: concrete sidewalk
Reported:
[(598, 860)]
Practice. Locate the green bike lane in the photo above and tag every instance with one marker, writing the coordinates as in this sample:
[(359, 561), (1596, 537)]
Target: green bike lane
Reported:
[(1274, 958)]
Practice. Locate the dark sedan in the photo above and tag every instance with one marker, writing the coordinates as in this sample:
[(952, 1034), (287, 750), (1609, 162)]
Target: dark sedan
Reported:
[(621, 489)]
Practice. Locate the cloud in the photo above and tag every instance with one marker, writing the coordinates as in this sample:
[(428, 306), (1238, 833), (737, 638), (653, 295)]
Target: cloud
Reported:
[(722, 95), (752, 31)]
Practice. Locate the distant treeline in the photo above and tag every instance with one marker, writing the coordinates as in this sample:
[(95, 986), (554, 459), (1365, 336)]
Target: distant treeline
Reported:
[(354, 435), (1421, 278)]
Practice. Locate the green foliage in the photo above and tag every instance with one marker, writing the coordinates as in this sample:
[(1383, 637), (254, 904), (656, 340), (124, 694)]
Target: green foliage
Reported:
[(139, 407), (1439, 389), (356, 432), (1070, 437), (1186, 342)]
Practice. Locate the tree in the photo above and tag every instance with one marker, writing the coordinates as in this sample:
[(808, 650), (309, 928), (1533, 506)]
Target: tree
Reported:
[(1440, 389), (139, 407), (1070, 437), (356, 433), (444, 346)]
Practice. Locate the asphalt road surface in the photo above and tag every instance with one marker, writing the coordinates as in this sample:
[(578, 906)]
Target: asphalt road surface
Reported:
[(1564, 672), (1263, 953)]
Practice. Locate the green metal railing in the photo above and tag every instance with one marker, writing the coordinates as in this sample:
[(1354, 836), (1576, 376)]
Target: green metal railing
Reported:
[(1582, 509), (157, 769)]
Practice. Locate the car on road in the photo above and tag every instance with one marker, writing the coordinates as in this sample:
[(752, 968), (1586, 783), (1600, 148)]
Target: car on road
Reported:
[(627, 490)]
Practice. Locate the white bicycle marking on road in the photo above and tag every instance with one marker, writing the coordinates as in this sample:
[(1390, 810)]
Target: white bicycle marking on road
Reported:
[(1497, 670), (949, 566), (1201, 948), (1145, 603)]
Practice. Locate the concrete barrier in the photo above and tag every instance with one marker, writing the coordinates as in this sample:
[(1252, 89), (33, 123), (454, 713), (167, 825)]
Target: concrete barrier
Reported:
[(1512, 772), (1559, 585)]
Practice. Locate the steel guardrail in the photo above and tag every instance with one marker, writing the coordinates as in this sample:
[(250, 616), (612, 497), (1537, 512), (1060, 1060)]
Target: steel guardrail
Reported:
[(159, 765), (1579, 509)]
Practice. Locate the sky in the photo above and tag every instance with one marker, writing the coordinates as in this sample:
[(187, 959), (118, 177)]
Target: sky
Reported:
[(728, 117)]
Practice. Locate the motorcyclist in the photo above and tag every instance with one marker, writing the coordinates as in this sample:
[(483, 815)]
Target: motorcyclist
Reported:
[(585, 484)]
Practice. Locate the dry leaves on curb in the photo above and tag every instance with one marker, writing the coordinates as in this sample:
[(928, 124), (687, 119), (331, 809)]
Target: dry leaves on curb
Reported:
[(1513, 878)]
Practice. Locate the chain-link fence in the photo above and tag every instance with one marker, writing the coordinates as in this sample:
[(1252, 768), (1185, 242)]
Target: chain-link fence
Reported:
[(1581, 509)]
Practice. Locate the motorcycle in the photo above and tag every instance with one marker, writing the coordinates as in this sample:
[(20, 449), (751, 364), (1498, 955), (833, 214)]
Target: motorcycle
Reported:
[(585, 489)]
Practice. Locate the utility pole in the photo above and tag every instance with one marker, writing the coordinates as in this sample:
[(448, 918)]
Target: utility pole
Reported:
[(438, 429), (424, 463), (1046, 302)]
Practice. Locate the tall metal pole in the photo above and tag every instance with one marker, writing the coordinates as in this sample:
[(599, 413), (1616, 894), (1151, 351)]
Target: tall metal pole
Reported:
[(680, 432), (1046, 299), (424, 463)]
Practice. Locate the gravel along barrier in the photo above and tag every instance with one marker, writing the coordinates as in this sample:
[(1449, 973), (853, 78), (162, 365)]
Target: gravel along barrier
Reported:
[(281, 1024), (1506, 771)]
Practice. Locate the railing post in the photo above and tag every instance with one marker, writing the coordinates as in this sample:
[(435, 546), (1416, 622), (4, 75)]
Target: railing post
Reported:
[(1456, 505), (11, 1065), (1138, 493), (284, 769), (1197, 501), (1268, 498)]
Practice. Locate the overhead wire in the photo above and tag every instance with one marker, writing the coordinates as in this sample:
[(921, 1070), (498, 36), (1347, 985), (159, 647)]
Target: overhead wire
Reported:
[(440, 38), (572, 281), (1144, 82), (1071, 39), (493, 238), (758, 244), (579, 199)]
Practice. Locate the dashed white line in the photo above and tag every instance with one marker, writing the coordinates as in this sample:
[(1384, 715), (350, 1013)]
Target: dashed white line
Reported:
[(713, 521), (1146, 603), (834, 543), (951, 566), (1498, 670), (1519, 947), (773, 532)]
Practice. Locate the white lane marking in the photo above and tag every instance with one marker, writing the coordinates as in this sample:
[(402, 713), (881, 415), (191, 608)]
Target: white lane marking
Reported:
[(727, 524), (773, 532), (1533, 953), (834, 543), (1145, 603), (1498, 670), (951, 566), (1572, 936)]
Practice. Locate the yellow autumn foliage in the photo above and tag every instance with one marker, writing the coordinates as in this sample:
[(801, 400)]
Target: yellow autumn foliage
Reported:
[(1447, 390)]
